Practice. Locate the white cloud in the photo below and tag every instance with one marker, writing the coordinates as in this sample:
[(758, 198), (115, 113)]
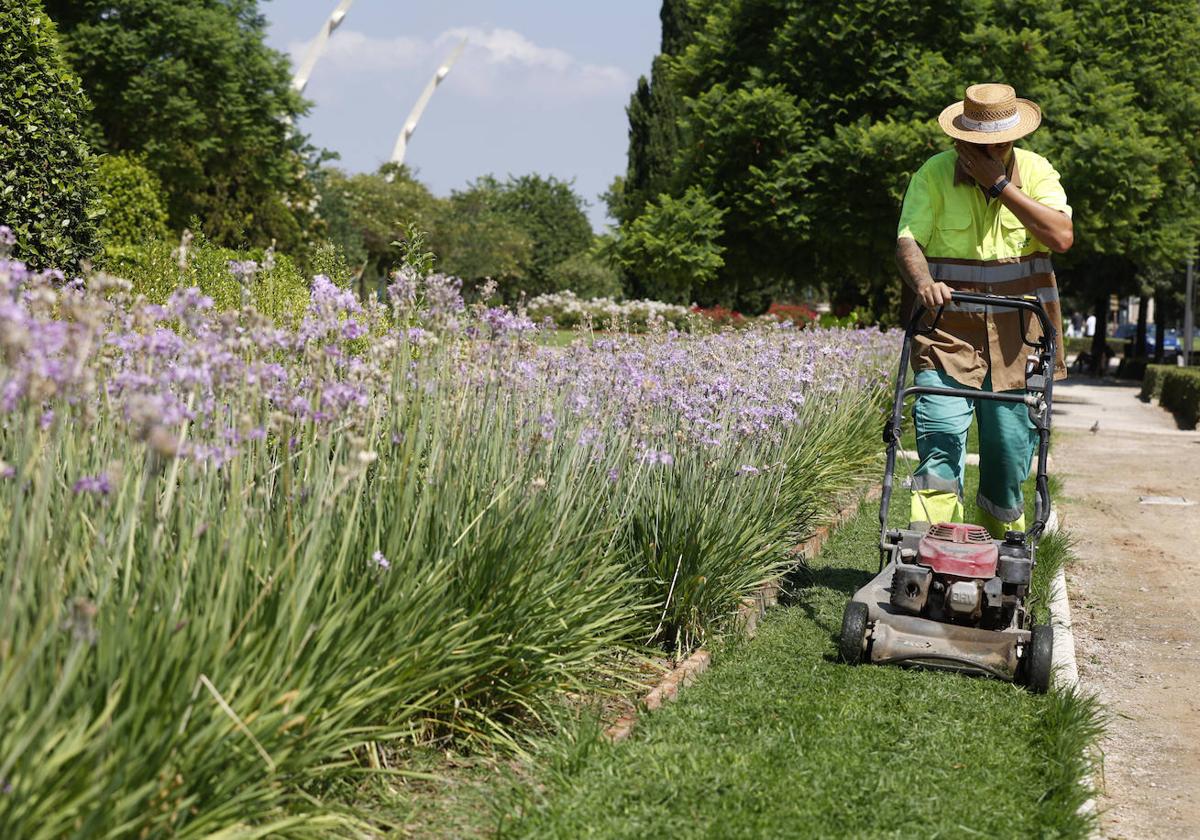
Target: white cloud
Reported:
[(497, 64), (349, 51)]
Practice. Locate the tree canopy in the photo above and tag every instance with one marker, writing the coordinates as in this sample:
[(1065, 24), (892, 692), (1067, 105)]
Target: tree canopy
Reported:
[(192, 86), (521, 232), (802, 122), (550, 213)]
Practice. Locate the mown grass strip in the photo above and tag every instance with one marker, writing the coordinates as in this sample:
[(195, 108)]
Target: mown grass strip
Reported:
[(780, 740)]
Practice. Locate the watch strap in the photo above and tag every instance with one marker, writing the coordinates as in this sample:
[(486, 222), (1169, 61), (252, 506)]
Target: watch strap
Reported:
[(995, 189)]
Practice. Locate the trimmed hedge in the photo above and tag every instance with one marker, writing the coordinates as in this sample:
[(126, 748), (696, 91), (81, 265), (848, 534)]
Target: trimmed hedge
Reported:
[(1152, 381), (1181, 395), (135, 206), (46, 192)]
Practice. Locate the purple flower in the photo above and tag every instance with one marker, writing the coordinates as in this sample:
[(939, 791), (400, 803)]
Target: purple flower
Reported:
[(243, 270), (654, 457), (380, 561), (746, 469), (97, 484)]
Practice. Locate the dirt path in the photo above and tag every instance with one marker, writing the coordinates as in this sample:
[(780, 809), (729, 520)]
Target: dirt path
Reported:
[(1135, 598)]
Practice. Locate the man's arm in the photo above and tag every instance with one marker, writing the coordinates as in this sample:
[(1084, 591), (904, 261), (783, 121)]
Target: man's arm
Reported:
[(915, 270), (1050, 226)]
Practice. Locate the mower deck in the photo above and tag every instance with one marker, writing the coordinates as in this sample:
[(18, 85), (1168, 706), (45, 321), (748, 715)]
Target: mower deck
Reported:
[(898, 638)]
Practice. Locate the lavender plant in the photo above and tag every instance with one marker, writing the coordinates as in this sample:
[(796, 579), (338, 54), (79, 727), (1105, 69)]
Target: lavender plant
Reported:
[(235, 551)]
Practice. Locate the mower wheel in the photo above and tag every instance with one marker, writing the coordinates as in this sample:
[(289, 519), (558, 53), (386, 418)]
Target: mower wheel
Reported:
[(854, 632), (1038, 658)]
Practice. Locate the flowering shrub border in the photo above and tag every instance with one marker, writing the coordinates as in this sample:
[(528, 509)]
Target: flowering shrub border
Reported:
[(238, 549)]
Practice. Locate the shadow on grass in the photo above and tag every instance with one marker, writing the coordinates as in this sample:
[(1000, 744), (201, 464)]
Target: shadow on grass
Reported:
[(803, 590), (837, 578)]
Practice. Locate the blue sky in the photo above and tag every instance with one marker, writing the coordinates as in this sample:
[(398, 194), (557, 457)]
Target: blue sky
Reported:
[(542, 86)]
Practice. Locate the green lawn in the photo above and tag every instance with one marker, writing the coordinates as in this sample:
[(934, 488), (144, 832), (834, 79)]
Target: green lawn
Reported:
[(779, 739)]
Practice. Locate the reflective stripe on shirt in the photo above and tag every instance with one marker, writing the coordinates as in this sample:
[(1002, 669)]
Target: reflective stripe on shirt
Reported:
[(987, 274)]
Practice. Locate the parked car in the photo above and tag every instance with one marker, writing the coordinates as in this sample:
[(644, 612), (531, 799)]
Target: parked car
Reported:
[(1171, 345)]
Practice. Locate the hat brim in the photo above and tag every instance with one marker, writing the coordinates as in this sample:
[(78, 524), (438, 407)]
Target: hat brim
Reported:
[(1030, 114)]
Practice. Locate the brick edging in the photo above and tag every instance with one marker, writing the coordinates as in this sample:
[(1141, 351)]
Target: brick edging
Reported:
[(749, 613)]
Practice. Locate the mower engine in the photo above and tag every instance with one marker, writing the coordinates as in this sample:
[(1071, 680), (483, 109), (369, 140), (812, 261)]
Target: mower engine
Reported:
[(959, 574)]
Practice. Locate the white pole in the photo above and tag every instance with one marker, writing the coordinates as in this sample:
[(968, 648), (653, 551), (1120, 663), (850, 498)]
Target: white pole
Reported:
[(1189, 312), (300, 80), (410, 125)]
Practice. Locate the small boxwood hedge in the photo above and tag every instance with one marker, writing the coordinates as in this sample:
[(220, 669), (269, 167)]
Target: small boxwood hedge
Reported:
[(1181, 394), (1152, 381)]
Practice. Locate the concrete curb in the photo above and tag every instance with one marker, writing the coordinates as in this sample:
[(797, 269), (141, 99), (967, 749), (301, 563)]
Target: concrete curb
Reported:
[(1066, 668), (749, 613), (1065, 665)]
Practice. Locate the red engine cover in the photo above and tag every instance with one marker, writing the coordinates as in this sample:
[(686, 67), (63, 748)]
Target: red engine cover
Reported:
[(958, 549)]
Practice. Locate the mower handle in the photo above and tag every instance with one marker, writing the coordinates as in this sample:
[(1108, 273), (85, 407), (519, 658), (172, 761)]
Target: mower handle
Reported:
[(1046, 348)]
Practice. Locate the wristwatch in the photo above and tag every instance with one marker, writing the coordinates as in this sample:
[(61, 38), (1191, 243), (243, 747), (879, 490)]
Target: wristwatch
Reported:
[(995, 189)]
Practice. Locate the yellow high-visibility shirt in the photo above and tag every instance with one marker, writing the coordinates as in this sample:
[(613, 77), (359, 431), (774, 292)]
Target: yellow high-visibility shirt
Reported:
[(976, 244), (949, 216)]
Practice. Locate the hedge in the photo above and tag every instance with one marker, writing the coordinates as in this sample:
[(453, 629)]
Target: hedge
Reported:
[(135, 205), (1152, 381), (46, 192), (1181, 395)]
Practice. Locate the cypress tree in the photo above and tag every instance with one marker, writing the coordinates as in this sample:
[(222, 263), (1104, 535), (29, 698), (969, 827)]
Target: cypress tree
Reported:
[(654, 112)]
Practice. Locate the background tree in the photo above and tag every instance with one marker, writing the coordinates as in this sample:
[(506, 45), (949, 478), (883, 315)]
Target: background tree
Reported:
[(192, 85), (804, 121), (654, 115), (589, 274), (475, 240), (674, 247), (46, 192), (550, 213), (366, 213)]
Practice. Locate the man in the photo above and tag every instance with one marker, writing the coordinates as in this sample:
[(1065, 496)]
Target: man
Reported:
[(980, 218)]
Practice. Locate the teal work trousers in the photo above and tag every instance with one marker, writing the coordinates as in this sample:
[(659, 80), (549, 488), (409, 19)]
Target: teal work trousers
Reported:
[(1007, 439)]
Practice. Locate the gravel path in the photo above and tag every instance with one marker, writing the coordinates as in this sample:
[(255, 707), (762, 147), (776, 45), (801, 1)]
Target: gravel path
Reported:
[(1135, 596)]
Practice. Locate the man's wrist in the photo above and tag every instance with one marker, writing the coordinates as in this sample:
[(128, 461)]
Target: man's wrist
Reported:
[(920, 284), (995, 189)]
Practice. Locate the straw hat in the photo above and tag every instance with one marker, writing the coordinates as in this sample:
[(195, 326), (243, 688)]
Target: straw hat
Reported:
[(990, 114)]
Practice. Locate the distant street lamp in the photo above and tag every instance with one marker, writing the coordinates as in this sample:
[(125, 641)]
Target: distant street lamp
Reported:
[(300, 80), (410, 125)]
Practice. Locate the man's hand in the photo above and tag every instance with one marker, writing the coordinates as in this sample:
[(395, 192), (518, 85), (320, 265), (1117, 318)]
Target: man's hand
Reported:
[(934, 294), (985, 169), (915, 270)]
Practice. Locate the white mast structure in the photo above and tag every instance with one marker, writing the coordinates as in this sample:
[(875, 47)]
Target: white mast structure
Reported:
[(410, 125), (300, 80)]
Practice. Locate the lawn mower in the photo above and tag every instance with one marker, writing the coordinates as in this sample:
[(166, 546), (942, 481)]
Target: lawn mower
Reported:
[(948, 596)]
